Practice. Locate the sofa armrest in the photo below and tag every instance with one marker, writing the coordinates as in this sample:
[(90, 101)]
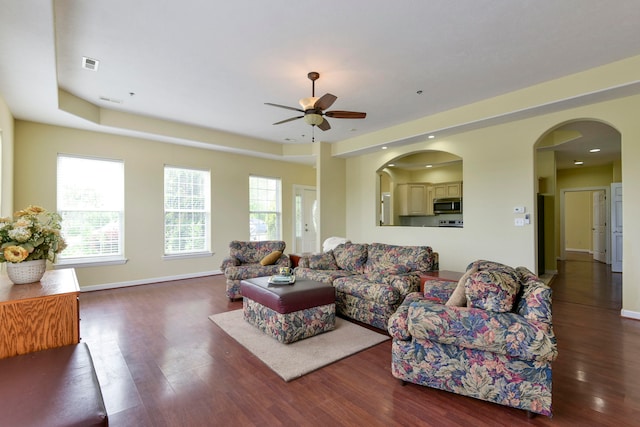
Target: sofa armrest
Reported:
[(503, 333), (397, 326), (229, 261), (405, 283)]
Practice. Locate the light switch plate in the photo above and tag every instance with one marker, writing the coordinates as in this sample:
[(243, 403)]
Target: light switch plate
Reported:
[(519, 222)]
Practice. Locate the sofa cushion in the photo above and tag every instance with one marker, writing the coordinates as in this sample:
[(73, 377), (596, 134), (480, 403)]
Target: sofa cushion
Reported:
[(271, 258), (325, 276), (360, 287), (253, 252), (458, 297), (351, 256), (382, 256), (493, 290), (439, 290), (249, 271), (323, 261)]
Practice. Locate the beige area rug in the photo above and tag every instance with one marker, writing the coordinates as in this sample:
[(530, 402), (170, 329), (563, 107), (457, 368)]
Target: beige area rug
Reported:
[(294, 360)]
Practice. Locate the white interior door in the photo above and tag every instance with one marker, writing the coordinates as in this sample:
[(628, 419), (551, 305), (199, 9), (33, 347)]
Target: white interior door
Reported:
[(599, 227), (616, 227), (305, 226)]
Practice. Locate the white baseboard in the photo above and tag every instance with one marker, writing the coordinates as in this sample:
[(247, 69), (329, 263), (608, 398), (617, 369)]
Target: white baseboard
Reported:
[(630, 314), (148, 281), (586, 251)]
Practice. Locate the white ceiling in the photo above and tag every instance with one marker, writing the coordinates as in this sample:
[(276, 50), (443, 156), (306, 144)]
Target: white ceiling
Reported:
[(214, 64)]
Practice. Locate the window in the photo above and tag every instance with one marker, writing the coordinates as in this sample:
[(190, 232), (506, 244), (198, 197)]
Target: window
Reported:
[(265, 207), (90, 195), (187, 211)]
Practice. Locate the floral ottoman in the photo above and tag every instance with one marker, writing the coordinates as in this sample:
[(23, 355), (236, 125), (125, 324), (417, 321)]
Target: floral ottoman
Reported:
[(289, 313)]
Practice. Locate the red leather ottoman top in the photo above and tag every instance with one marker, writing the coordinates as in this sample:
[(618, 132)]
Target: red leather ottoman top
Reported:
[(288, 298), (55, 387)]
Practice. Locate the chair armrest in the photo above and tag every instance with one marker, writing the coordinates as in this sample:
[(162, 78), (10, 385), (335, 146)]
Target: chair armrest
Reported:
[(229, 261), (503, 333), (283, 261)]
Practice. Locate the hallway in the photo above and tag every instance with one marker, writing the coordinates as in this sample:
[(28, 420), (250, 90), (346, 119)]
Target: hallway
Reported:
[(597, 367), (581, 280)]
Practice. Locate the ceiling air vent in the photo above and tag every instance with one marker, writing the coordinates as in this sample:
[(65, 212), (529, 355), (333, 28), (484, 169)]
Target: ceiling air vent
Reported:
[(114, 100), (90, 64)]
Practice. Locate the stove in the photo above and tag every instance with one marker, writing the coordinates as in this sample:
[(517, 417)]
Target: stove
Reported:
[(456, 223)]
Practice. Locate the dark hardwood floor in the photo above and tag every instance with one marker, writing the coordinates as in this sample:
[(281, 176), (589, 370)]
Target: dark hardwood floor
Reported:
[(161, 362)]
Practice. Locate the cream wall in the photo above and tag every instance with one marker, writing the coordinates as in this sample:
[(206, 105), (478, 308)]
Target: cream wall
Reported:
[(6, 160), (330, 176), (37, 146), (498, 170), (579, 214)]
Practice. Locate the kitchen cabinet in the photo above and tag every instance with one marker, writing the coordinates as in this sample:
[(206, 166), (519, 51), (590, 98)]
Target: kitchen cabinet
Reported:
[(412, 199), (447, 189)]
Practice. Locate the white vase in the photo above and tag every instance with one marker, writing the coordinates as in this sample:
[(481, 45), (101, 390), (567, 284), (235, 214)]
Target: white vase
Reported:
[(26, 271)]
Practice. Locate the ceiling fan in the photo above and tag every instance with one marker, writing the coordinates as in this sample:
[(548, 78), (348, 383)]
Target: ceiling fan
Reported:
[(313, 108)]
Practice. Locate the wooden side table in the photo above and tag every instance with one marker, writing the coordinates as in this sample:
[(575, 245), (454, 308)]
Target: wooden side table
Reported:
[(445, 275), (38, 316)]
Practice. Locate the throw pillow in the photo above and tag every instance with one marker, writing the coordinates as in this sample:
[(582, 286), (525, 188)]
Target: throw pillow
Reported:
[(458, 297), (271, 258), (492, 290), (323, 261), (351, 256)]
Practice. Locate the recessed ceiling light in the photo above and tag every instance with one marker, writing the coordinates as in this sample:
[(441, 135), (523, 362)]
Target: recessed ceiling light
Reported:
[(391, 165), (385, 147), (578, 162), (428, 166), (431, 136), (594, 150)]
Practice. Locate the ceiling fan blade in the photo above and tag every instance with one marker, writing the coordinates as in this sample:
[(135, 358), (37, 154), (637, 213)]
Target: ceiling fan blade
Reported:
[(338, 114), (325, 101), (288, 120), (284, 106), (324, 125)]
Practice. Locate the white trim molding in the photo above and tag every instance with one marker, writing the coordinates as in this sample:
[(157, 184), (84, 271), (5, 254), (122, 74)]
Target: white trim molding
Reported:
[(148, 281), (630, 314)]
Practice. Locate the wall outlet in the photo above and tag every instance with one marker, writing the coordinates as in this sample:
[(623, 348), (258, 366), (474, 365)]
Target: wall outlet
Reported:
[(519, 222), (518, 209)]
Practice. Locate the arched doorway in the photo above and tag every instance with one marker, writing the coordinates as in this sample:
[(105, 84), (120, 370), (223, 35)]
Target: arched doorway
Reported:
[(567, 161), (577, 162)]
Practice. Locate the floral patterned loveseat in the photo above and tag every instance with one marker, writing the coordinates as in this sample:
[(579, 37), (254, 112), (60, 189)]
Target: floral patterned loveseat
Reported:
[(499, 347), (247, 260), (371, 280)]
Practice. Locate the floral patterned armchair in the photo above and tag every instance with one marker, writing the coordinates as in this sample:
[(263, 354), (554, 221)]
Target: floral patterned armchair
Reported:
[(247, 260), (489, 349)]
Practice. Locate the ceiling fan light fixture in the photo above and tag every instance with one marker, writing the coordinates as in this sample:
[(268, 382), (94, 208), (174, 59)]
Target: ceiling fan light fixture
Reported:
[(308, 103), (313, 119)]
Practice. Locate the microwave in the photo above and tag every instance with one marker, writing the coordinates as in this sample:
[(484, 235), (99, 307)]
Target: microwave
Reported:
[(449, 205)]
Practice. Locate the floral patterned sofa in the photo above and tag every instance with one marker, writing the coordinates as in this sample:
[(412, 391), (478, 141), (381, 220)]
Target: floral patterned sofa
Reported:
[(371, 280), (499, 347), (247, 260)]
